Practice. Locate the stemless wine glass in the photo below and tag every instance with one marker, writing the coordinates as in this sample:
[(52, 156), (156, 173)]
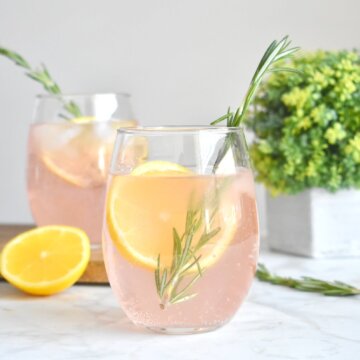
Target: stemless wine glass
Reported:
[(69, 152), (181, 229)]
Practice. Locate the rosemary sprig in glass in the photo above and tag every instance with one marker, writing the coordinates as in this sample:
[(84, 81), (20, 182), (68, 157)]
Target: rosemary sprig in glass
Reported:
[(309, 284), (174, 283), (42, 76)]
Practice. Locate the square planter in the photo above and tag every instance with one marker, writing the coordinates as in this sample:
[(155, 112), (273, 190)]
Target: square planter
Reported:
[(315, 223)]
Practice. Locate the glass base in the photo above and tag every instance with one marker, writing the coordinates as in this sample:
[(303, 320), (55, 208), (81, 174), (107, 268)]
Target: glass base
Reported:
[(182, 331)]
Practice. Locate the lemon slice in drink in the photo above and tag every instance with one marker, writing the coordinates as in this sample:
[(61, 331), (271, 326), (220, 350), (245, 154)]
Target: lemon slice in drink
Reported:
[(80, 153), (82, 159), (84, 169), (45, 260), (144, 207)]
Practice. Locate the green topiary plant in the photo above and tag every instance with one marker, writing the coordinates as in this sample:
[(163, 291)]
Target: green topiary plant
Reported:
[(307, 126)]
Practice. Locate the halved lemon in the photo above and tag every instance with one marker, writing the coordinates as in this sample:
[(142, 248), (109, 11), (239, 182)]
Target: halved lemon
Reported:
[(144, 208), (45, 260)]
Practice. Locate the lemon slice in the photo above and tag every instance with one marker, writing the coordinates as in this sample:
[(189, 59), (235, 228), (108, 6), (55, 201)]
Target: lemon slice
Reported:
[(82, 168), (144, 208), (45, 260), (83, 160)]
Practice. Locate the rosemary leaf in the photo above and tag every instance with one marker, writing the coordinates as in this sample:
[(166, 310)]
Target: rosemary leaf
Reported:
[(157, 278), (287, 69), (176, 249), (16, 58), (188, 242), (195, 262), (222, 118), (179, 299), (163, 282), (181, 296), (206, 237)]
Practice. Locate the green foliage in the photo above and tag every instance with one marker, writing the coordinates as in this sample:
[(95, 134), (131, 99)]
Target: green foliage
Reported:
[(307, 127)]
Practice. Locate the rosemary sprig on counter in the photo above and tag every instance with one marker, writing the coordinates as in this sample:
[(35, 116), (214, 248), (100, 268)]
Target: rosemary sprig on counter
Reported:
[(309, 284), (42, 76), (174, 283)]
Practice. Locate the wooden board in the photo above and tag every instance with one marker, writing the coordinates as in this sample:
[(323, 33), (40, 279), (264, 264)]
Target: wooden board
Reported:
[(95, 272)]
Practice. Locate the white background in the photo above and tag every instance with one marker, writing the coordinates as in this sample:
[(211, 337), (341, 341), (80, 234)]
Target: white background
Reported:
[(184, 61)]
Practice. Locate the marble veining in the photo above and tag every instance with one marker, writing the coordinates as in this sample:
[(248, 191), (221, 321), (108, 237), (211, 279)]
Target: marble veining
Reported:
[(85, 322)]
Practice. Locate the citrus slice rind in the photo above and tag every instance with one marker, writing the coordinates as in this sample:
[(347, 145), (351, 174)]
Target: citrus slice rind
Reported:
[(45, 260), (82, 172), (133, 227), (160, 168)]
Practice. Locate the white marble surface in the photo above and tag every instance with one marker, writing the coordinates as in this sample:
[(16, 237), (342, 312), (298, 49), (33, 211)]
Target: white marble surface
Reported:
[(85, 322)]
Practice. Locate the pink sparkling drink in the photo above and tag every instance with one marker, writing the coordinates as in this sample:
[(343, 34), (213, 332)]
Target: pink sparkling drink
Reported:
[(163, 280), (68, 159)]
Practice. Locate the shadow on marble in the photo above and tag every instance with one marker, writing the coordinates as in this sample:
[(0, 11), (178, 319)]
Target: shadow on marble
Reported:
[(116, 321), (9, 292)]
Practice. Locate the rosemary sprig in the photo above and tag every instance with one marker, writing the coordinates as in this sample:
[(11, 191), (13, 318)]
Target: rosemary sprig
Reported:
[(277, 50), (42, 76), (309, 284), (174, 283)]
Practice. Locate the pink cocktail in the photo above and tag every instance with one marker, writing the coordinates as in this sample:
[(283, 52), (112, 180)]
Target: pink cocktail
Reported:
[(181, 229), (68, 159)]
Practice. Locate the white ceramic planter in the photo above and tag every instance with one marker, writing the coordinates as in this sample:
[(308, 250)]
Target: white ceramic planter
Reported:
[(315, 223)]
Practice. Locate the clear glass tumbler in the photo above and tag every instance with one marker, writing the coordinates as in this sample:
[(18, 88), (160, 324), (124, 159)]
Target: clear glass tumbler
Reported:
[(181, 226), (69, 151)]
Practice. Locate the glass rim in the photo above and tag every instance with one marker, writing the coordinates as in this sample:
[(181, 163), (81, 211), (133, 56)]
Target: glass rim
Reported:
[(82, 95), (179, 129)]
